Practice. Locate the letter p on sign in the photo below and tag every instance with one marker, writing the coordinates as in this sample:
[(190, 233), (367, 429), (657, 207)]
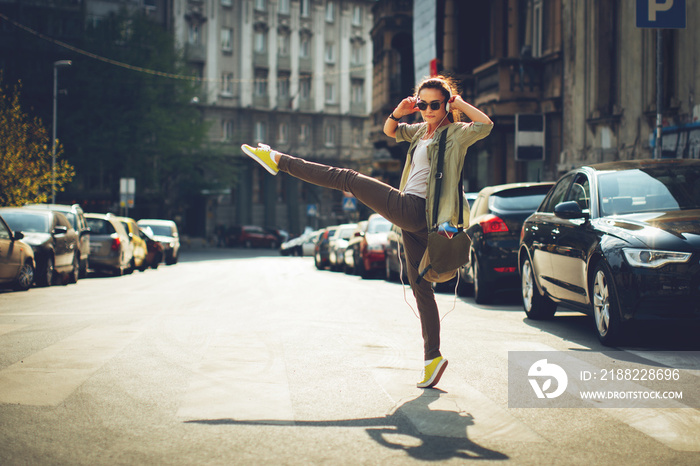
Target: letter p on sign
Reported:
[(661, 14), (655, 5)]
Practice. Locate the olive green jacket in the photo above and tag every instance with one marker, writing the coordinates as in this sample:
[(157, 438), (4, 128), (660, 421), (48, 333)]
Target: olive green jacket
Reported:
[(459, 137)]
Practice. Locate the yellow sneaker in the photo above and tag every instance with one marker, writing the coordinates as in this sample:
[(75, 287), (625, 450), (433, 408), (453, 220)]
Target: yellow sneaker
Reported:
[(263, 155), (432, 372)]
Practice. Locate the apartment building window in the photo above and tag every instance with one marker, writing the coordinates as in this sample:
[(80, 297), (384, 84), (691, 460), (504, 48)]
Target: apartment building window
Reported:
[(356, 136), (330, 93), (193, 34), (357, 91), (260, 88), (283, 86), (304, 45), (607, 71), (283, 44), (227, 84), (260, 41), (356, 52), (304, 133), (260, 131), (260, 5), (329, 137), (357, 15), (330, 11), (283, 7), (304, 7), (226, 130), (283, 133), (537, 28), (226, 37), (305, 86), (330, 52)]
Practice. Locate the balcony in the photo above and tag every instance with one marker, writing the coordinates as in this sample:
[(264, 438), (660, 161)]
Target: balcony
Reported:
[(196, 53), (508, 80)]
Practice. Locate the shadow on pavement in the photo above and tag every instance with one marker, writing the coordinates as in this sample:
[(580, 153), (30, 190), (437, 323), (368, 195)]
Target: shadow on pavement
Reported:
[(397, 432)]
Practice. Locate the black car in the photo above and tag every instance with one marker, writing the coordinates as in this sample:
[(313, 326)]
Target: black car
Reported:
[(496, 218), (619, 241), (53, 240)]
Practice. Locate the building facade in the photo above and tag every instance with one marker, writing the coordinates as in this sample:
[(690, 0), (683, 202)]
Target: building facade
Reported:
[(610, 93), (294, 74), (583, 68)]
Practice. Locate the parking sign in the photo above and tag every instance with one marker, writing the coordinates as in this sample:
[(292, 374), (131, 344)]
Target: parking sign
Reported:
[(661, 14)]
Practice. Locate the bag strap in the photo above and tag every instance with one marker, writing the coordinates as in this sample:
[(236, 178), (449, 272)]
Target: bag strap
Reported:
[(438, 177), (438, 185)]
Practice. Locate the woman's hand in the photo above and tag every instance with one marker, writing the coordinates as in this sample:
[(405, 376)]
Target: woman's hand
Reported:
[(406, 107), (473, 113)]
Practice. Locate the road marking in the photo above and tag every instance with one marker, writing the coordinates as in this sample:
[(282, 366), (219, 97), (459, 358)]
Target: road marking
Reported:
[(48, 377), (242, 378), (677, 428)]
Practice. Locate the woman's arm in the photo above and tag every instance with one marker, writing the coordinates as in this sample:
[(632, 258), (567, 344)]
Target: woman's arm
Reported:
[(406, 107), (473, 113)]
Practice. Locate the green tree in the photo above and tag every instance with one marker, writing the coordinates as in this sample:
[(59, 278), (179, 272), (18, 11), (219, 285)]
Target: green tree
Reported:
[(127, 121), (26, 155)]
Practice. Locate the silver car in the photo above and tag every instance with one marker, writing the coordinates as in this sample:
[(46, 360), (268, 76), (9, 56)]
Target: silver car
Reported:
[(110, 248), (165, 232)]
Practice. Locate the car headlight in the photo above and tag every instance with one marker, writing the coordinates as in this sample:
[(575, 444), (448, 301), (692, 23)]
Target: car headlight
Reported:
[(651, 258)]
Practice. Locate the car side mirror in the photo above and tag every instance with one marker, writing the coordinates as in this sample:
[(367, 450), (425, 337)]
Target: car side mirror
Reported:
[(18, 235), (60, 230), (569, 210)]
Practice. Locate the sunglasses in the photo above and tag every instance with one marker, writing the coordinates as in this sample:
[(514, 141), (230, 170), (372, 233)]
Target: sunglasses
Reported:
[(434, 105)]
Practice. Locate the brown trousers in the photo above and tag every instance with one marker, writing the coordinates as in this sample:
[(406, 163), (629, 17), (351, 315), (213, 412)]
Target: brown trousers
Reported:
[(403, 210)]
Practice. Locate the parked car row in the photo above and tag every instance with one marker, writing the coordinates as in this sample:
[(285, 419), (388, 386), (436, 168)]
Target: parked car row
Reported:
[(619, 241), (46, 244)]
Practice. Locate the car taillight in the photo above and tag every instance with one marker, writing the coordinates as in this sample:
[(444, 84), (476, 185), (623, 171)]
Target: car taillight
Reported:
[(504, 269), (493, 224), (116, 242)]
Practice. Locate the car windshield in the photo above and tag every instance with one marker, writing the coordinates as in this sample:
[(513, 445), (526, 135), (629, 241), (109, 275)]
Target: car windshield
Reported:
[(72, 218), (27, 222), (161, 230), (649, 189), (346, 233), (518, 199), (379, 226), (99, 226)]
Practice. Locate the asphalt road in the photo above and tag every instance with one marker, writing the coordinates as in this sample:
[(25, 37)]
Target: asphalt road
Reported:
[(246, 357)]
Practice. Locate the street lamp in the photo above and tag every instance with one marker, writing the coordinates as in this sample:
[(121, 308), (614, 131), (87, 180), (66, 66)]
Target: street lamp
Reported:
[(56, 65)]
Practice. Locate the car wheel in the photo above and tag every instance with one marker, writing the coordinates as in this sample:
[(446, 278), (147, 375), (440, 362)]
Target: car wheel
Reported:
[(389, 275), (364, 269), (483, 290), (75, 272), (25, 278), (606, 314), (537, 306), (464, 288), (45, 277), (248, 244), (317, 261)]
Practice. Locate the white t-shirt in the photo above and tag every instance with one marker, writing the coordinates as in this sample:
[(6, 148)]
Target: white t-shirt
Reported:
[(417, 183)]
